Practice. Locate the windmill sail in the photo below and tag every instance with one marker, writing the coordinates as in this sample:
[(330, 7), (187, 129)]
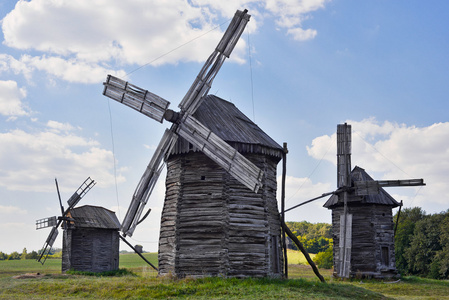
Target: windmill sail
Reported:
[(80, 192), (47, 222), (186, 126), (343, 155), (344, 183), (364, 188), (135, 97), (222, 153), (203, 81), (48, 244), (147, 182)]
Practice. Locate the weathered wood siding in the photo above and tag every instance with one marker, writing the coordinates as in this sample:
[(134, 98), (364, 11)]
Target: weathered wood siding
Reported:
[(372, 229), (93, 250), (213, 225)]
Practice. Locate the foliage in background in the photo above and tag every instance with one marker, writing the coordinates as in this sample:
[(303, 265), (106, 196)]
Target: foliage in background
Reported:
[(325, 260), (315, 237), (422, 243), (54, 253)]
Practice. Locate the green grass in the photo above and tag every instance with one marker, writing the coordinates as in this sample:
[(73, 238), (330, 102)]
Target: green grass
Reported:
[(296, 257), (302, 284)]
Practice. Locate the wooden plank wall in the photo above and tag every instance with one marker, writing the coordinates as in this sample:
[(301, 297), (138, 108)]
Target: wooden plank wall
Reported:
[(167, 237), (211, 224), (373, 228), (93, 250)]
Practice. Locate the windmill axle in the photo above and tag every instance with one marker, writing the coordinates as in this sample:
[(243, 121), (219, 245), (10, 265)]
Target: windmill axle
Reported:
[(172, 116)]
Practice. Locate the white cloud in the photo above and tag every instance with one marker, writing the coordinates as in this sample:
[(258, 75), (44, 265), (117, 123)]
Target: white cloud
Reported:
[(57, 126), (83, 38), (12, 210), (298, 190), (32, 159), (11, 99), (397, 151), (300, 34), (94, 31), (291, 15), (9, 63), (71, 70)]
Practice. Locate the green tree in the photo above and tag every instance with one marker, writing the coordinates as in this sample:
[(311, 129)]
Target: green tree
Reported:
[(439, 268), (24, 254), (3, 256), (32, 255), (424, 245), (13, 256), (405, 230), (315, 237), (325, 259)]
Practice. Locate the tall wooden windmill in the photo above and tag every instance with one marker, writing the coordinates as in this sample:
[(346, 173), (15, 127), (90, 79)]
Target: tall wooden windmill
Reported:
[(362, 217), (199, 137)]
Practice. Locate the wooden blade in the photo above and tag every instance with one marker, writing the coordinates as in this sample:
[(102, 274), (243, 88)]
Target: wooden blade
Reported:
[(343, 155), (59, 197), (222, 153), (80, 192), (364, 188), (48, 244), (203, 81), (47, 222), (135, 97), (147, 183)]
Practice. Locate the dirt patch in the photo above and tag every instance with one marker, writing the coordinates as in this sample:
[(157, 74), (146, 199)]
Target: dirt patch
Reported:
[(29, 275)]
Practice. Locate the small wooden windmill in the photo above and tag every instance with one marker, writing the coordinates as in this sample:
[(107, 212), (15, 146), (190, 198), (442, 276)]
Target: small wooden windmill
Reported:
[(212, 255), (91, 240), (55, 222), (362, 218)]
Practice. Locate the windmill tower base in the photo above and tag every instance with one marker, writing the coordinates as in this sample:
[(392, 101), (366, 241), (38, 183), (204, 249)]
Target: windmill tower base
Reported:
[(214, 226)]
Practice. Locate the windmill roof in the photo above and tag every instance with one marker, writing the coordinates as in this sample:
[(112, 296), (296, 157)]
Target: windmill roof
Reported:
[(89, 216), (225, 120), (359, 174)]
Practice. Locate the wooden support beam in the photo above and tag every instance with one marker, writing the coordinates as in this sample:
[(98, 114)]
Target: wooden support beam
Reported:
[(284, 174), (141, 256), (303, 250)]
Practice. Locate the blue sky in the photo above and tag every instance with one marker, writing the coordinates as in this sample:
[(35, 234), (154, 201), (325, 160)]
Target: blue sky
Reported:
[(300, 68)]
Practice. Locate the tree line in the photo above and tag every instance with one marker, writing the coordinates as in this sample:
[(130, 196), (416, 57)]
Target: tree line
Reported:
[(422, 243), (53, 253)]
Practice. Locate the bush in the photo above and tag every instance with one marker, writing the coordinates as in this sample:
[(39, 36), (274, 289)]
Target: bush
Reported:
[(325, 259)]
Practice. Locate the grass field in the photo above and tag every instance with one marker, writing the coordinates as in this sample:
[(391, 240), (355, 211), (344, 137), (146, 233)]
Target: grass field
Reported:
[(302, 284)]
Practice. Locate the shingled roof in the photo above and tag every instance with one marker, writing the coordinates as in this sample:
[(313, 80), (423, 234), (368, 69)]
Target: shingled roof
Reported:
[(225, 120), (89, 216), (359, 174)]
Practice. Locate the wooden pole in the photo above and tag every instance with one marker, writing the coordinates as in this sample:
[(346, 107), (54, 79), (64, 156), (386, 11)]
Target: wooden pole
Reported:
[(344, 182), (303, 250), (311, 200), (397, 219), (141, 256), (284, 174)]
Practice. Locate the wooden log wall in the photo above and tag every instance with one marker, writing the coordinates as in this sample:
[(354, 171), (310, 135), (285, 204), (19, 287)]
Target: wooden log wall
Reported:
[(92, 250), (213, 225), (372, 229)]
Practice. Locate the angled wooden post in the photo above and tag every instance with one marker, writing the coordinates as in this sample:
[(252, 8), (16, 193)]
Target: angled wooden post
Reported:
[(303, 250), (284, 173)]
